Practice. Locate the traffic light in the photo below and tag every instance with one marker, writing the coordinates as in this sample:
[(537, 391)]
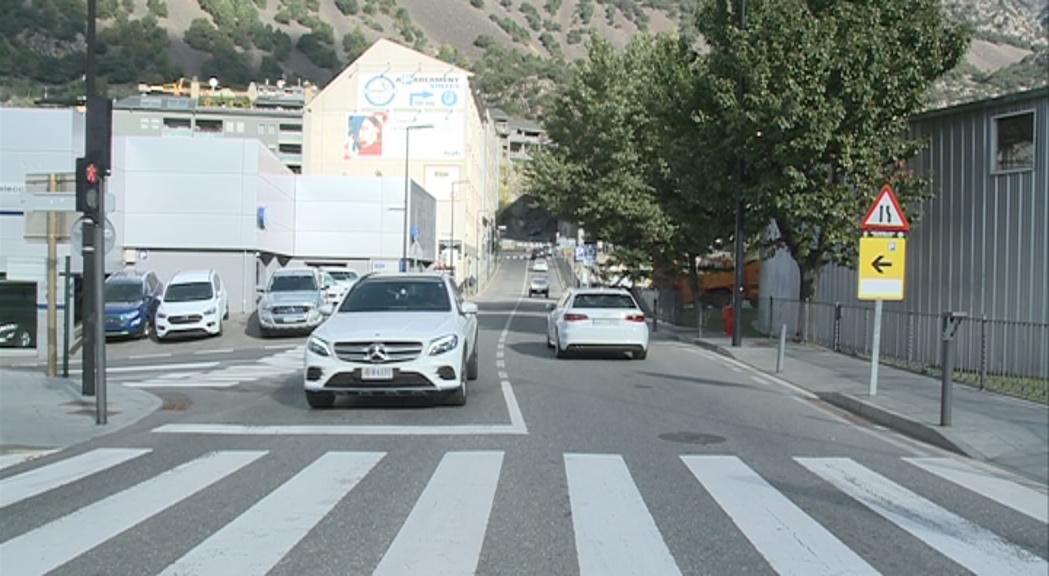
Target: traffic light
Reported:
[(88, 186), (99, 126)]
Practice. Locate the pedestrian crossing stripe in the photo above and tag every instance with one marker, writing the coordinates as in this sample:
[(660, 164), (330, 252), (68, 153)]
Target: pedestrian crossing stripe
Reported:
[(444, 532), (281, 364)]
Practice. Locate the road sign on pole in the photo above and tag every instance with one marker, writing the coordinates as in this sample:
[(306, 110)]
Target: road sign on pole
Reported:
[(882, 267), (883, 263)]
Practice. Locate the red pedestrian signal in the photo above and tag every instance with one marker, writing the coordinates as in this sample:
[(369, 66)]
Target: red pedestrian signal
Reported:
[(92, 174)]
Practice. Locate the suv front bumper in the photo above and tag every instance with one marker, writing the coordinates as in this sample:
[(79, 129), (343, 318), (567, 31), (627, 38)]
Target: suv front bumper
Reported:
[(422, 375)]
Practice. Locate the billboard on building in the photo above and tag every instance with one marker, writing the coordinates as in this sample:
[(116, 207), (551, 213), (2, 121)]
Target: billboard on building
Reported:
[(412, 90), (381, 135)]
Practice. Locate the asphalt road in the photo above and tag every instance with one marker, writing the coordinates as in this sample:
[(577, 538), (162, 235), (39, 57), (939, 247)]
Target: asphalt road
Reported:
[(685, 463)]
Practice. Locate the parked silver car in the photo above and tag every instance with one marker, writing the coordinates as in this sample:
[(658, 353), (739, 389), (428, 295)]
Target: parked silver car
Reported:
[(292, 301)]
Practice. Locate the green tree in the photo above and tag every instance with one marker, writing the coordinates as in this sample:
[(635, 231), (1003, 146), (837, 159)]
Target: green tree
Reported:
[(830, 88), (354, 44), (348, 7)]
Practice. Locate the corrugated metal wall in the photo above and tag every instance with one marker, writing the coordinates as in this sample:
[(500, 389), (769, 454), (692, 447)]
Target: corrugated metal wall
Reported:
[(981, 247)]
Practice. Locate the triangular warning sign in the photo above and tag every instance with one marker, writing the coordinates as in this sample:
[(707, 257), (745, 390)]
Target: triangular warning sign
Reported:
[(885, 214)]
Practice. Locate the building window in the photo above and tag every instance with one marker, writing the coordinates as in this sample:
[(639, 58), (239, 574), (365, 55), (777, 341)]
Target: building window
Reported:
[(296, 169), (177, 123), (240, 127), (291, 128), (210, 126), (1014, 142), (290, 148)]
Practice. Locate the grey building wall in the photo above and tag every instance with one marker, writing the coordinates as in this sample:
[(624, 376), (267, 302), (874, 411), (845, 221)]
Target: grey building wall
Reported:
[(981, 247)]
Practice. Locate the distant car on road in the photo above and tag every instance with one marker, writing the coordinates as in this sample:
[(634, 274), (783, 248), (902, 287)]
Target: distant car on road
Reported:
[(540, 266), (539, 285), (194, 302), (342, 279), (292, 301), (399, 333), (131, 299), (597, 319)]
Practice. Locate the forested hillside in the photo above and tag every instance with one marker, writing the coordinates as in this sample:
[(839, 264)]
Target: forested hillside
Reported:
[(516, 47)]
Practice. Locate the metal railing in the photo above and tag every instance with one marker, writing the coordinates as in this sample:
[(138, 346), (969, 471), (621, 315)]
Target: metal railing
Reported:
[(1001, 355)]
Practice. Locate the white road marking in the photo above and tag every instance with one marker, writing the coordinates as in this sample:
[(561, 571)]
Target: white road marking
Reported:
[(788, 538), (1005, 492), (501, 345), (342, 430), (280, 346), (761, 381), (964, 542), (154, 355), (40, 480), (517, 420), (16, 458), (503, 375), (445, 530), (58, 542), (500, 354), (500, 363), (257, 540), (155, 368), (614, 532), (220, 351), (276, 365)]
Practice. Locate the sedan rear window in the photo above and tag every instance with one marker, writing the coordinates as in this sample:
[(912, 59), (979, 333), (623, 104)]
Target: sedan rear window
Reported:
[(603, 301), (397, 296)]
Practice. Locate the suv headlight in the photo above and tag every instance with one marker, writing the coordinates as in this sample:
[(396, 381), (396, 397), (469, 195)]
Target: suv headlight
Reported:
[(210, 311), (318, 346), (444, 344)]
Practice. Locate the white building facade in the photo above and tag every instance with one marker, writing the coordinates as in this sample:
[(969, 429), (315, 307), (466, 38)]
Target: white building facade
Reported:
[(189, 203)]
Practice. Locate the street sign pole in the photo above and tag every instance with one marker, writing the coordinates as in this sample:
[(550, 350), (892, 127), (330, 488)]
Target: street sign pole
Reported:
[(882, 264)]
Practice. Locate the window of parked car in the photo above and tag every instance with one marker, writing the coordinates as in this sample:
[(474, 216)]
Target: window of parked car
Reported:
[(293, 283), (126, 291), (389, 295), (188, 292)]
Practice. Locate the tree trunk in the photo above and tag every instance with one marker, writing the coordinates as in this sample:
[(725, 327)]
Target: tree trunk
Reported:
[(810, 278)]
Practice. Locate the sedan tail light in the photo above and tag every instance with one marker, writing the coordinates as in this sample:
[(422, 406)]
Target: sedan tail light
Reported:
[(635, 318), (572, 317)]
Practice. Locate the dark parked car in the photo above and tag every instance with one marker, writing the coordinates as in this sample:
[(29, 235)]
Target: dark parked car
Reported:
[(131, 301)]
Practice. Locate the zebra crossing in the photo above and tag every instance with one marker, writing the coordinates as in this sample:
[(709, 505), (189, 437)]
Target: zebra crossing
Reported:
[(276, 365), (614, 530)]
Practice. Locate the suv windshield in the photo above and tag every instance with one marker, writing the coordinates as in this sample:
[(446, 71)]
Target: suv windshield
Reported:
[(424, 295), (293, 283), (123, 291), (188, 292), (343, 275)]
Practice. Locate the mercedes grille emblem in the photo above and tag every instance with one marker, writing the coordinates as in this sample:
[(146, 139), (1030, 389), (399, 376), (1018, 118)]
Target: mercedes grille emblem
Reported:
[(377, 353)]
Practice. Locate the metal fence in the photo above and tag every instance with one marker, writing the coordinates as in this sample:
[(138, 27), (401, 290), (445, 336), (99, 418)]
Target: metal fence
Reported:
[(1001, 355)]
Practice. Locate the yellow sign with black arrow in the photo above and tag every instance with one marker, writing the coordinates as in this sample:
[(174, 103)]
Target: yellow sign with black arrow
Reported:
[(882, 267)]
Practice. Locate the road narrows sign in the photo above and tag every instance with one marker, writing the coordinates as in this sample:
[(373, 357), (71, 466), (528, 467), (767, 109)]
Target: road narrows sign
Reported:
[(886, 215)]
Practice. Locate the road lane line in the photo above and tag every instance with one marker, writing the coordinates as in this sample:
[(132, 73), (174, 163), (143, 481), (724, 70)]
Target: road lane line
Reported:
[(614, 532), (259, 538), (761, 381), (340, 430), (503, 375), (14, 458), (155, 355), (445, 530), (961, 540), (155, 368), (220, 351), (766, 517), (516, 417), (280, 346), (1005, 492), (40, 480), (58, 542)]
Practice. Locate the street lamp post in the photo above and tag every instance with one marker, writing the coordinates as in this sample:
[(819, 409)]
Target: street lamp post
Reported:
[(452, 260), (737, 300), (407, 188)]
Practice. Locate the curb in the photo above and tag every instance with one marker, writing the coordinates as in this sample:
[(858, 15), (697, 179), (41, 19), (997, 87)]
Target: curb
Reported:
[(866, 410)]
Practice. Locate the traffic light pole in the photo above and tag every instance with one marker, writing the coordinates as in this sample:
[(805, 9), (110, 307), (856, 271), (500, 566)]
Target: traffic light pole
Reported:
[(87, 335), (737, 297), (101, 413)]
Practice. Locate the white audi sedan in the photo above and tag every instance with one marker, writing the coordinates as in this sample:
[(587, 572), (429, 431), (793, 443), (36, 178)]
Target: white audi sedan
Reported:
[(597, 319), (409, 334)]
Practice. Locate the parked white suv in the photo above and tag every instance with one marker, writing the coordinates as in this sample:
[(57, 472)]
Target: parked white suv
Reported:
[(399, 333), (342, 279), (292, 301), (194, 302)]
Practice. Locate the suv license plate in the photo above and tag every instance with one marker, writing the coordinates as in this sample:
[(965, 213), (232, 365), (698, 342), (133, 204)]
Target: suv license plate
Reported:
[(377, 373), (605, 322)]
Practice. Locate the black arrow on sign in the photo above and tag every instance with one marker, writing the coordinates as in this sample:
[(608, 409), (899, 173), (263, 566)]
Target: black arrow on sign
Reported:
[(878, 264)]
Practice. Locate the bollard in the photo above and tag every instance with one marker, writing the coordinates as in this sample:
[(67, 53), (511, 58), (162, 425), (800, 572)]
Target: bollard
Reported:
[(837, 326), (655, 314), (782, 348), (951, 322)]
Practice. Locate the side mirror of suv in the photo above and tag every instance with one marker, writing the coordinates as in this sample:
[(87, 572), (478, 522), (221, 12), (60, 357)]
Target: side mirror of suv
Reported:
[(469, 308), (327, 309)]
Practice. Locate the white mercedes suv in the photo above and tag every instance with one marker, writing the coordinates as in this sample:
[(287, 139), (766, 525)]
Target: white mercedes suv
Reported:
[(394, 334)]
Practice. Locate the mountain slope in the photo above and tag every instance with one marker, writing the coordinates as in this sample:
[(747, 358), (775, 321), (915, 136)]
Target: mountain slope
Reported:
[(514, 45)]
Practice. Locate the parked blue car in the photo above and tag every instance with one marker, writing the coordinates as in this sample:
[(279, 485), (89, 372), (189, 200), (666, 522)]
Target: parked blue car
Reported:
[(132, 298)]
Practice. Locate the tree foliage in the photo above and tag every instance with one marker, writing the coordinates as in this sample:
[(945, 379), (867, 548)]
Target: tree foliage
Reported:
[(646, 141), (830, 87)]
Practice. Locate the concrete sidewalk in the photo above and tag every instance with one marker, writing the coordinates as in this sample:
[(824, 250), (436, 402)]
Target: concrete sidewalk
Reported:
[(39, 415), (1003, 430)]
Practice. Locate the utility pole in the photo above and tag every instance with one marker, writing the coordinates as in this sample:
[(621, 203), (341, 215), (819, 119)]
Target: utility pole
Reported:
[(737, 298), (52, 283), (91, 173)]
